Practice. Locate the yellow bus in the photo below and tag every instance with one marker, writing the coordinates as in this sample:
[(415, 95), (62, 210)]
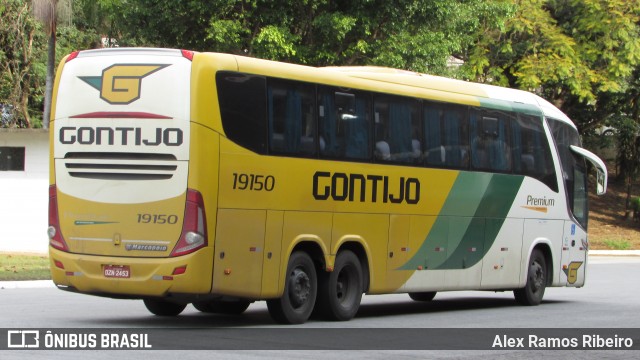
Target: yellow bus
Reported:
[(217, 180)]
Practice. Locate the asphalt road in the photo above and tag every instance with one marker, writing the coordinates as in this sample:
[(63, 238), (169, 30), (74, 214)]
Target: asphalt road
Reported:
[(610, 299)]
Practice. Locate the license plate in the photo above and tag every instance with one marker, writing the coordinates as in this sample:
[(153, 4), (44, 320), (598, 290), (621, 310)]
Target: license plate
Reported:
[(117, 271)]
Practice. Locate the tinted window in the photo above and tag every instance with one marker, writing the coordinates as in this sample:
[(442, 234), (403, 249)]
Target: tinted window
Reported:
[(573, 169), (292, 125), (531, 151), (490, 144), (242, 100), (11, 158), (397, 129), (344, 123), (446, 135)]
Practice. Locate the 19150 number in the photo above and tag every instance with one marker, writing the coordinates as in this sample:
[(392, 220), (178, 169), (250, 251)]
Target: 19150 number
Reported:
[(157, 219), (253, 182)]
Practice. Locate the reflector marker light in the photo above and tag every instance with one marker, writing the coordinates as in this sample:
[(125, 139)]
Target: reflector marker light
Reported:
[(179, 270), (187, 54), (72, 56)]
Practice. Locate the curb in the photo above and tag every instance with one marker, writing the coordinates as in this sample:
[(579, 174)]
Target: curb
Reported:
[(614, 252), (29, 284)]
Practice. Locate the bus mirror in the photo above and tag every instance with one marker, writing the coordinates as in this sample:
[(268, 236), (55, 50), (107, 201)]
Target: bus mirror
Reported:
[(601, 168), (601, 186)]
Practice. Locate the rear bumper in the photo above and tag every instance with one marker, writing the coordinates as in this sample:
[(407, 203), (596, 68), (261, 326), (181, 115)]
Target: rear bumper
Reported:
[(149, 277)]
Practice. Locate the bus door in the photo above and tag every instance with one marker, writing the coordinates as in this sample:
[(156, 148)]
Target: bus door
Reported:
[(574, 255)]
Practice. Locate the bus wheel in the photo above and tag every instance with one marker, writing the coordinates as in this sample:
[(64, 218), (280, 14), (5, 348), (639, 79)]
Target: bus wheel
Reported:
[(422, 296), (533, 291), (163, 307), (222, 307), (340, 291), (300, 289)]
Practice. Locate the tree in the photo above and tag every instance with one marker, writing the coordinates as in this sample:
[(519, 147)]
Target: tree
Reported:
[(414, 35), (20, 74), (572, 52)]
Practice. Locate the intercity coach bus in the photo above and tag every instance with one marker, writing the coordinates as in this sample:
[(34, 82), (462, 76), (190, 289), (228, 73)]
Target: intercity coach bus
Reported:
[(216, 180)]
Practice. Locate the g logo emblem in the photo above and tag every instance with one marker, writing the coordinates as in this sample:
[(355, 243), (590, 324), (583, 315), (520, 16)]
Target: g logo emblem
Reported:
[(121, 84), (572, 271)]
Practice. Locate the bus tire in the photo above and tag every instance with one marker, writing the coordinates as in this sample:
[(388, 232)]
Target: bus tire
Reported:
[(422, 296), (340, 291), (300, 290), (533, 291), (163, 307), (222, 307)]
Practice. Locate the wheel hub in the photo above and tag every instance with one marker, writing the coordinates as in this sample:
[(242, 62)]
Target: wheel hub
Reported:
[(299, 287)]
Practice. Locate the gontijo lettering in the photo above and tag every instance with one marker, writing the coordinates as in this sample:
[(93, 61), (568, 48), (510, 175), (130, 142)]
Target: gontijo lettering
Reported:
[(120, 136), (345, 187)]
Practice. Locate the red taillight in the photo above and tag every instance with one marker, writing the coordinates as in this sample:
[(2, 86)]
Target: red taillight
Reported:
[(55, 235), (72, 56), (187, 54), (194, 228)]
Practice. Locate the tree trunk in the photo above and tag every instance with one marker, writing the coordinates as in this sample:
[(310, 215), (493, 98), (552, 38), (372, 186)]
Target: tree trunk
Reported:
[(628, 210), (48, 93)]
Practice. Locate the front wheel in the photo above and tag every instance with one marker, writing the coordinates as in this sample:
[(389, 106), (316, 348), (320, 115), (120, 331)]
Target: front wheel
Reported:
[(163, 307), (533, 291), (340, 291), (300, 289)]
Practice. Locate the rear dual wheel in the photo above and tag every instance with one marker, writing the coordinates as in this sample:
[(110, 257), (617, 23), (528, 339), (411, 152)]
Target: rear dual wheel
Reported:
[(222, 307), (300, 290), (163, 308), (340, 291), (335, 295)]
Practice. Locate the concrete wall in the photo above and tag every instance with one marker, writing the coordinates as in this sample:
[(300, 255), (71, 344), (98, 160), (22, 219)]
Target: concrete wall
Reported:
[(24, 195)]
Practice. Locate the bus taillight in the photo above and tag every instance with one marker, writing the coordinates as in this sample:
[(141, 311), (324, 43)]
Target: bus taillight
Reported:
[(55, 236), (194, 229)]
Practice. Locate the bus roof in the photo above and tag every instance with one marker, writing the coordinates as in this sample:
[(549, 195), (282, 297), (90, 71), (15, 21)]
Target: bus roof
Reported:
[(377, 78), (425, 81)]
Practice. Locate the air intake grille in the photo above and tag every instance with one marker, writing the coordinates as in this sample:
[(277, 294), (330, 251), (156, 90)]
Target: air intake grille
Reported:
[(120, 166)]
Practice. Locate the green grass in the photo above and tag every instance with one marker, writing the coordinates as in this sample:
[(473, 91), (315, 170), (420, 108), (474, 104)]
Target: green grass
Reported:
[(617, 244), (24, 267)]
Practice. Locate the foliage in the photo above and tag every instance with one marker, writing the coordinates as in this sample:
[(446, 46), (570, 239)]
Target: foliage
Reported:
[(583, 55), (414, 35), (21, 71), (575, 53), (617, 244)]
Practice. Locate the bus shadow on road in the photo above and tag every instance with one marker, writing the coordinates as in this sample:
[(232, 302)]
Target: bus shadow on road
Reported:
[(397, 308), (259, 315)]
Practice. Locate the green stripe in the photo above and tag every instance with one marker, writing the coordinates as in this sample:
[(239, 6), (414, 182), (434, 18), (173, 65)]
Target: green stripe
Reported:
[(90, 222), (471, 218), (504, 105)]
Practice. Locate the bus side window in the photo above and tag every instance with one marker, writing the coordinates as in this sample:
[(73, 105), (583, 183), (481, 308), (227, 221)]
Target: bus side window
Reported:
[(344, 121), (531, 151), (446, 135), (398, 130), (292, 127), (490, 145)]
